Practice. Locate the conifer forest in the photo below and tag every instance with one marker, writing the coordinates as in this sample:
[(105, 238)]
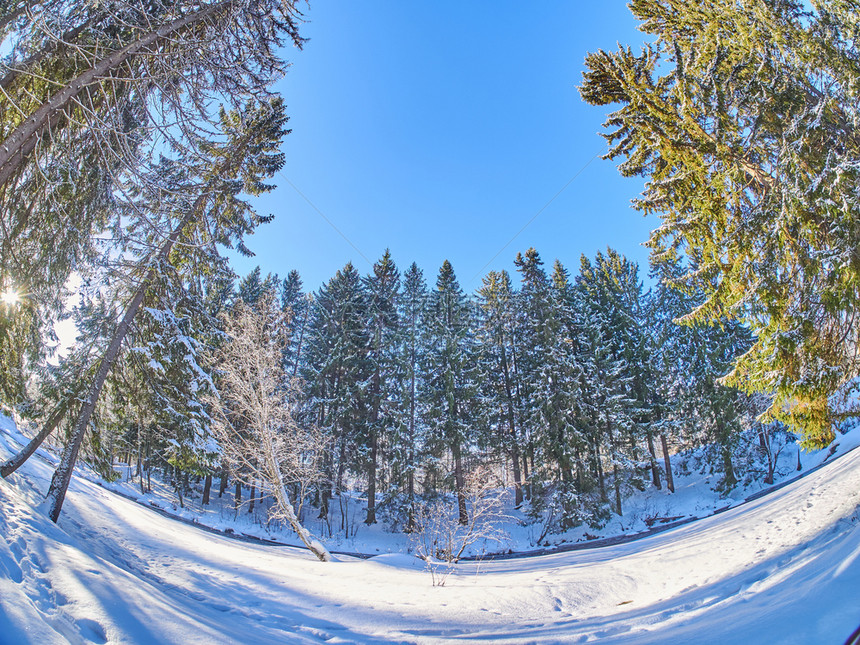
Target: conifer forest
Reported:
[(139, 138)]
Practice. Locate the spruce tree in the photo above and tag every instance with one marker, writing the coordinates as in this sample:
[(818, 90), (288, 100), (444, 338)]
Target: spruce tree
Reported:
[(605, 285), (336, 372), (409, 440), (382, 287), (742, 117), (549, 388), (297, 304), (449, 376), (91, 96), (497, 300), (692, 405)]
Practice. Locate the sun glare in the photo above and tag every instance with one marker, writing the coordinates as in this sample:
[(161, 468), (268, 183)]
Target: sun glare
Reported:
[(10, 297)]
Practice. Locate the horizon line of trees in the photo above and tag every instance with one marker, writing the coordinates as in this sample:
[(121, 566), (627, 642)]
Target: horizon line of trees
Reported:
[(576, 390)]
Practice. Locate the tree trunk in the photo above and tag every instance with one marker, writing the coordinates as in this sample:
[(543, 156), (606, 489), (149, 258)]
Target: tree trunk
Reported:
[(325, 498), (148, 463), (460, 483), (140, 473), (527, 489), (253, 496), (207, 487), (371, 481), (223, 485), (613, 445), (730, 479), (282, 499), (765, 448), (63, 475), (237, 496), (670, 479), (51, 423), (16, 148), (139, 461), (410, 449), (518, 478), (601, 477), (655, 469), (512, 427), (375, 397), (341, 465)]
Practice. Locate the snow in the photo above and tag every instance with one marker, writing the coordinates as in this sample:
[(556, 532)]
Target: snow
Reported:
[(783, 568), (693, 498)]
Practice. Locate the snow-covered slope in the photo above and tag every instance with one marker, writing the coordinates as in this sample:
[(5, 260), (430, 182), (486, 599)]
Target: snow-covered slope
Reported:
[(781, 569), (644, 511)]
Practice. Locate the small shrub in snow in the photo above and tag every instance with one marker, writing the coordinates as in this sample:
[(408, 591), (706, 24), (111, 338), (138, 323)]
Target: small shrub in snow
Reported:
[(252, 419), (441, 540)]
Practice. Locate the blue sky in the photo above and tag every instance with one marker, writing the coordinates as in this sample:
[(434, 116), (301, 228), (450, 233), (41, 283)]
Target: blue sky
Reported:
[(439, 130)]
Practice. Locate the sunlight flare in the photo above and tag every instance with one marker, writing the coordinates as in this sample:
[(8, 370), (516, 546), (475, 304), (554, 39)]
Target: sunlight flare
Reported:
[(10, 297)]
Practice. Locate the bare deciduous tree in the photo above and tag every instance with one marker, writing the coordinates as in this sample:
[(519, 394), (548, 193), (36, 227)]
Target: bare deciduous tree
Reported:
[(251, 416), (441, 539)]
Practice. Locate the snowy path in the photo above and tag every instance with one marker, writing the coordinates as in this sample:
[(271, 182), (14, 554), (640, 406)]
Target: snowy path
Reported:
[(784, 568)]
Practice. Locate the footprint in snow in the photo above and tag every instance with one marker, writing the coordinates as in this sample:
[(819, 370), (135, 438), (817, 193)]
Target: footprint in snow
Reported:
[(91, 630)]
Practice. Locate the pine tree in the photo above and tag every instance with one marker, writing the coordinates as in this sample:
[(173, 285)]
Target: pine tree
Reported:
[(497, 300), (449, 385), (382, 287), (742, 116), (337, 371), (409, 440)]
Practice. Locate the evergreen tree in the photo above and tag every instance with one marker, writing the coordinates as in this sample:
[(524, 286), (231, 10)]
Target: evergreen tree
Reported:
[(408, 443), (382, 287), (499, 379), (449, 385), (204, 211), (549, 387), (742, 116), (92, 94), (691, 403), (607, 286), (337, 371), (298, 304)]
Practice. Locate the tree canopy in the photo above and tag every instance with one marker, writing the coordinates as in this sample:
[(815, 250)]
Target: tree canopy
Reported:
[(743, 116)]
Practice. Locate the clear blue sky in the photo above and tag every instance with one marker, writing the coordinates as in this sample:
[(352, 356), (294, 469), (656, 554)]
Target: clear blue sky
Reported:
[(438, 130)]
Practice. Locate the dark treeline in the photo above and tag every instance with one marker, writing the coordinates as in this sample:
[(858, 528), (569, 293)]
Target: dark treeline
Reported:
[(573, 389)]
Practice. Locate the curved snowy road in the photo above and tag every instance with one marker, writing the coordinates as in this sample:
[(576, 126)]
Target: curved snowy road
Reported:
[(782, 569)]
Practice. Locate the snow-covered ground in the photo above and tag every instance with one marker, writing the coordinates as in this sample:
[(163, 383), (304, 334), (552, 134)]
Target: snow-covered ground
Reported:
[(694, 497), (784, 568)]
